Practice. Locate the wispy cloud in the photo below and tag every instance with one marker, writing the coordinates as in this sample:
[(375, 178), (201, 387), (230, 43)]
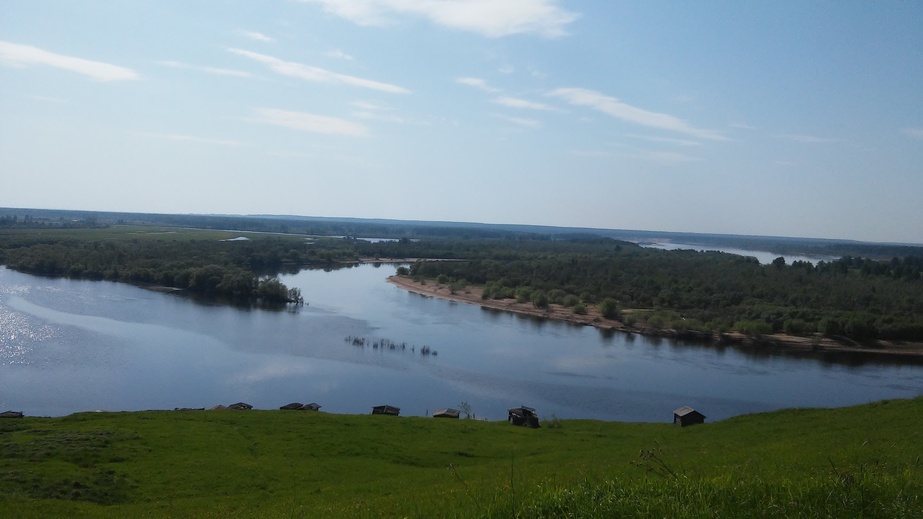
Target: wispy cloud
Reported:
[(489, 18), (16, 55), (208, 70), (519, 121), (257, 36), (742, 126), (338, 54), (477, 83), (615, 108), (664, 140), (309, 122), (807, 139), (373, 111), (192, 138), (515, 102), (317, 74), (916, 133)]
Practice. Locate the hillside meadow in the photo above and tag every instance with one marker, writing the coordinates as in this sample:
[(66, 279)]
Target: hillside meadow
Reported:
[(858, 461)]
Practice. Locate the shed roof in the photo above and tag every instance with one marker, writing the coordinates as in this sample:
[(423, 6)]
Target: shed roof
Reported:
[(447, 413), (685, 411)]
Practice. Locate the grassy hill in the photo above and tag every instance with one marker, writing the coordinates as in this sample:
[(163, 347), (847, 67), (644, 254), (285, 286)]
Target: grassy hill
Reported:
[(857, 461)]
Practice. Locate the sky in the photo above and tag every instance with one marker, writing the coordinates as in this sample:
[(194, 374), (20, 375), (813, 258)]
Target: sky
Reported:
[(785, 118)]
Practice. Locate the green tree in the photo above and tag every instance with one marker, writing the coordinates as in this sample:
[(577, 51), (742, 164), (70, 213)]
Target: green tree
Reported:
[(609, 308)]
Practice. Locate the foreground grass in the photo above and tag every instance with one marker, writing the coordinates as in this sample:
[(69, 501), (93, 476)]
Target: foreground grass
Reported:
[(859, 461)]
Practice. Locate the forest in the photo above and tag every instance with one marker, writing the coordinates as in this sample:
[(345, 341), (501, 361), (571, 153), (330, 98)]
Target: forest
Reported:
[(855, 298)]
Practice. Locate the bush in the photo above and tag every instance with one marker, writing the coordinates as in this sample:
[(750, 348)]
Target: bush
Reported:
[(609, 308), (580, 309)]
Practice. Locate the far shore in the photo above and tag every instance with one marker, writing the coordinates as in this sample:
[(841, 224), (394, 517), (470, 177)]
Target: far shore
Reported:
[(472, 295)]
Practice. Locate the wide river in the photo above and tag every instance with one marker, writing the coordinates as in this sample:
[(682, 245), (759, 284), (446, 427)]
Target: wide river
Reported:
[(69, 346)]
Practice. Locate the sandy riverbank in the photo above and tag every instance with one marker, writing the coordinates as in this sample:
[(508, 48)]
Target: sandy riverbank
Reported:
[(472, 295)]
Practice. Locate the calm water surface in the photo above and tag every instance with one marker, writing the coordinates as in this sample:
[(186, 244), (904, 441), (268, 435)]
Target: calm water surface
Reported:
[(68, 346)]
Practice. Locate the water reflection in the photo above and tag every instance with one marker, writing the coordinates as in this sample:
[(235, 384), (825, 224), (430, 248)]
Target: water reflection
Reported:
[(69, 346)]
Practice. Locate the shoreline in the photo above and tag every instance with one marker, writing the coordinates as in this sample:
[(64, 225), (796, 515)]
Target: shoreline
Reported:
[(472, 295)]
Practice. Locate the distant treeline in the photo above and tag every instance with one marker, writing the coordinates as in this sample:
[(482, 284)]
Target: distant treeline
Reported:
[(688, 291), (382, 228), (861, 299), (235, 269)]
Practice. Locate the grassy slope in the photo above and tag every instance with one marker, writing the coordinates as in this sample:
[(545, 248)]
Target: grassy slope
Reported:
[(304, 464)]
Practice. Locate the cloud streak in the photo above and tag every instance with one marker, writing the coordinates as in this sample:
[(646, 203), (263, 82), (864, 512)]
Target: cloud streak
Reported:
[(16, 55), (257, 36), (307, 122), (613, 107), (515, 102), (519, 121), (491, 18), (478, 83), (316, 74), (806, 139)]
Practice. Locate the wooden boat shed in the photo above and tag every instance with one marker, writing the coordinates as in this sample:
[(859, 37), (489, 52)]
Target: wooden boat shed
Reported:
[(523, 415), (386, 409), (446, 413), (686, 415)]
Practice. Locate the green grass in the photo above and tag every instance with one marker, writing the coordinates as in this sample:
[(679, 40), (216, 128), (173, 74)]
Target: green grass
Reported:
[(859, 461)]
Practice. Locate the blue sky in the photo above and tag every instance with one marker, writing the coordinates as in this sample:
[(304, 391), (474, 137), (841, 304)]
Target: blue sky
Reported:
[(787, 118)]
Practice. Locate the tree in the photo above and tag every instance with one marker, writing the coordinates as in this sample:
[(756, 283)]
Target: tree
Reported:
[(609, 308)]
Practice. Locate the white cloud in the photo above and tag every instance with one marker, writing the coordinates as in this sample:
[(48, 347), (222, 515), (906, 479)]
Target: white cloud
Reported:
[(515, 102), (526, 123), (16, 55), (491, 18), (477, 83), (615, 108), (309, 122), (742, 126), (257, 36), (192, 138), (317, 74), (916, 133), (665, 140), (338, 54), (666, 157), (807, 139), (209, 70), (226, 72)]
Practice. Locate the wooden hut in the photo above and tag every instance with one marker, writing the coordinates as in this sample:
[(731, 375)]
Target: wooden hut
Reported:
[(523, 416), (686, 415), (11, 414), (294, 406), (313, 406), (241, 406), (386, 409), (446, 413)]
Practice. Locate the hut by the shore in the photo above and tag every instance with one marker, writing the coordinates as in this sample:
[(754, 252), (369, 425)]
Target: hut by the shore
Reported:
[(446, 413), (683, 416), (386, 409), (523, 415)]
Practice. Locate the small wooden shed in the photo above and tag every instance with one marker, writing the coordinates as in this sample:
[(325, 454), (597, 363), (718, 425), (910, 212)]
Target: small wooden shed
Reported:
[(686, 415), (386, 409), (241, 406), (446, 413), (11, 414), (313, 406), (523, 415)]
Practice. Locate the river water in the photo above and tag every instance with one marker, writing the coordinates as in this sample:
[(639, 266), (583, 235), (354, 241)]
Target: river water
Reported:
[(69, 346)]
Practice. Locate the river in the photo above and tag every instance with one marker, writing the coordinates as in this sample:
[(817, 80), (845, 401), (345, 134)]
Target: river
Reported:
[(71, 345)]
